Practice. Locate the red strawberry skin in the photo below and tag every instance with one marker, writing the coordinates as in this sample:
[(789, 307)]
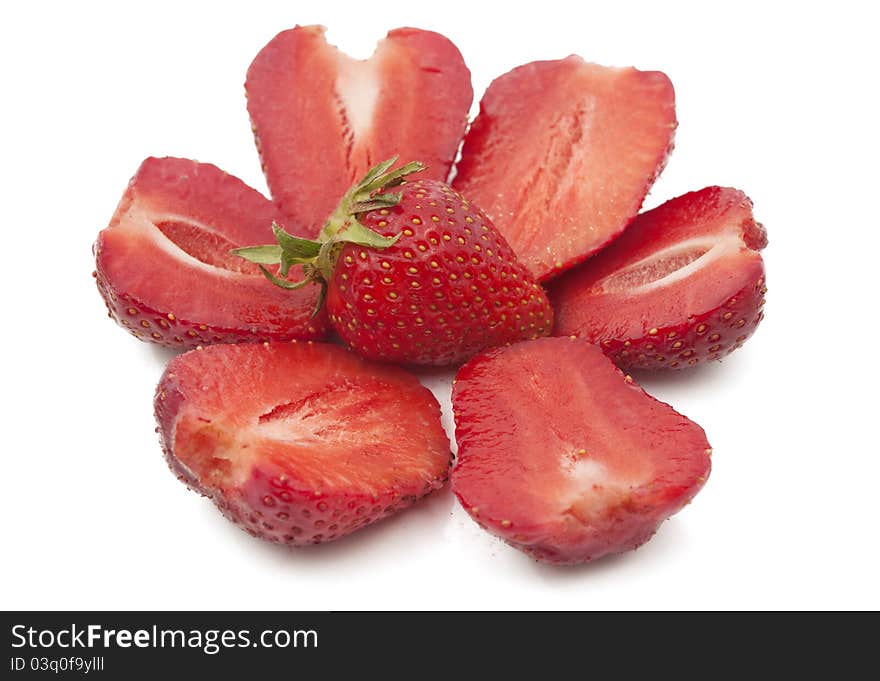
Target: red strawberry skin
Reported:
[(685, 284), (564, 457), (300, 443), (448, 288), (321, 119), (165, 272), (562, 155)]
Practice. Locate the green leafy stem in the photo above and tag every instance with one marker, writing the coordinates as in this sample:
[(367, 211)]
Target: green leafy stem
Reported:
[(318, 257)]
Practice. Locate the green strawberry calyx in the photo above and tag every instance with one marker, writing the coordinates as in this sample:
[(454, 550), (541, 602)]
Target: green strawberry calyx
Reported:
[(318, 257)]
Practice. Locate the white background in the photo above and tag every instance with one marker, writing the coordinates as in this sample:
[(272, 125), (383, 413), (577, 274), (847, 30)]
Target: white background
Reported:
[(774, 98)]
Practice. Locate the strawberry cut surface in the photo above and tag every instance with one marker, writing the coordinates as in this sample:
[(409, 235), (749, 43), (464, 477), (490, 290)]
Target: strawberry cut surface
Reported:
[(165, 270), (684, 284), (300, 442), (321, 119), (562, 155), (564, 457)]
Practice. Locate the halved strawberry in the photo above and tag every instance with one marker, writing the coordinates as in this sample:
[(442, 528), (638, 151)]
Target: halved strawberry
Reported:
[(300, 443), (564, 457), (322, 119), (563, 154), (684, 284), (164, 265)]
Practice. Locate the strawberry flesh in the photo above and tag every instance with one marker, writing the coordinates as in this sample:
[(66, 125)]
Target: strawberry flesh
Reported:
[(562, 155), (683, 285), (564, 457), (165, 270), (300, 443), (321, 119)]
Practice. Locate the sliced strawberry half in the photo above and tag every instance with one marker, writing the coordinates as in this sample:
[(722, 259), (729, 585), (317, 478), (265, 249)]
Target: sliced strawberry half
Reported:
[(684, 284), (322, 119), (564, 457), (300, 443), (562, 156), (165, 270)]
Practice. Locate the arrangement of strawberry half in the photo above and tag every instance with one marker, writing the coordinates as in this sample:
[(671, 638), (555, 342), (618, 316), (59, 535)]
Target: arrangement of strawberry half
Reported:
[(562, 156), (321, 119), (300, 443), (415, 276), (561, 454), (685, 283), (164, 267), (564, 457)]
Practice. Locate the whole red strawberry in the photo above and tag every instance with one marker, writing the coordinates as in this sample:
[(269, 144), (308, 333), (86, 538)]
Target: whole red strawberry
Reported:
[(420, 276)]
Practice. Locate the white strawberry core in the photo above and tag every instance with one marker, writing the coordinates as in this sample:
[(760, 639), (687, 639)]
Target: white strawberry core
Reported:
[(357, 86), (147, 223), (671, 264), (592, 486)]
